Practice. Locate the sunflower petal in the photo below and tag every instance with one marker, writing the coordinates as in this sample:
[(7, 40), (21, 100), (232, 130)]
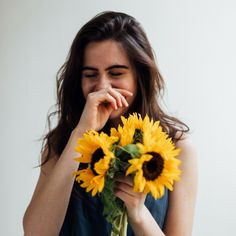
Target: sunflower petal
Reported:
[(139, 182)]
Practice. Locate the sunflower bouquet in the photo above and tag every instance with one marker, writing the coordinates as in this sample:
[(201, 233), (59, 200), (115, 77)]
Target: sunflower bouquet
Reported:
[(139, 148)]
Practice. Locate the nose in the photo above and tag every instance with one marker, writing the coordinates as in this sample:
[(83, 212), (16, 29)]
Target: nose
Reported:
[(103, 82)]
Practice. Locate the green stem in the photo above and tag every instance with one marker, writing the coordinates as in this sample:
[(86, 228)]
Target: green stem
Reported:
[(124, 224), (119, 225)]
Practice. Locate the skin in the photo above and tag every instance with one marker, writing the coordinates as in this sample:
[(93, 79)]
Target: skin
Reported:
[(108, 77), (109, 86), (108, 83)]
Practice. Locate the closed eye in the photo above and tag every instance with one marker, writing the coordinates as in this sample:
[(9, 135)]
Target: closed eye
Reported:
[(115, 74), (89, 75)]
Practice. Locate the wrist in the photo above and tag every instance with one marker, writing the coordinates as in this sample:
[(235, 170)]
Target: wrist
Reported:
[(139, 217), (78, 132)]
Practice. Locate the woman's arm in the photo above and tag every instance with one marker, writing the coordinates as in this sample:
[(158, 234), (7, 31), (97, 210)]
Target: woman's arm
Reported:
[(46, 211), (182, 199)]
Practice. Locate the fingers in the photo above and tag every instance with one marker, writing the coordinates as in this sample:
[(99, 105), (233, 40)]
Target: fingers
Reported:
[(126, 180), (124, 92), (100, 105), (121, 187), (124, 190), (101, 97), (125, 184), (120, 96), (111, 96), (117, 96), (110, 99)]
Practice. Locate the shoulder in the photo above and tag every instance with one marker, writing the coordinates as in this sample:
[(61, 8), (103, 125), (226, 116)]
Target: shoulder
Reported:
[(187, 186), (188, 151), (183, 197), (185, 140)]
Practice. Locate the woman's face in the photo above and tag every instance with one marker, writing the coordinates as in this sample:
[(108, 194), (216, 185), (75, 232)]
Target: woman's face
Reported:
[(106, 65)]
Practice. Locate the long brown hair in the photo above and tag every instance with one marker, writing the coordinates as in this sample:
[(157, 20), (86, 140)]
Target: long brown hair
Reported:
[(124, 29)]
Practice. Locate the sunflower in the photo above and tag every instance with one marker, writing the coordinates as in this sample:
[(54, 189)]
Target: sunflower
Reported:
[(157, 167), (95, 151), (135, 129)]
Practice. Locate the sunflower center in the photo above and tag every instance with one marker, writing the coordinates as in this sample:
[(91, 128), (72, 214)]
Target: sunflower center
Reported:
[(97, 155), (138, 136), (153, 168)]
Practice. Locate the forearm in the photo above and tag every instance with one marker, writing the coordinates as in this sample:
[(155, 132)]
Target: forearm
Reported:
[(146, 225), (46, 212)]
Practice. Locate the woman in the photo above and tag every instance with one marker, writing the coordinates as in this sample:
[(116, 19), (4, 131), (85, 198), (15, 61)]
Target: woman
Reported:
[(110, 71)]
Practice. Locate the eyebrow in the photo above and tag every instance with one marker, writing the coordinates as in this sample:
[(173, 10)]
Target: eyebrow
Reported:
[(109, 68)]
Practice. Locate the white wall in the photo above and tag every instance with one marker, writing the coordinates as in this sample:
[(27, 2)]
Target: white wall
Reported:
[(195, 47)]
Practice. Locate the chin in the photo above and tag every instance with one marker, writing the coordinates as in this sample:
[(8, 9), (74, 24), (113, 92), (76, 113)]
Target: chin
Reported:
[(117, 113)]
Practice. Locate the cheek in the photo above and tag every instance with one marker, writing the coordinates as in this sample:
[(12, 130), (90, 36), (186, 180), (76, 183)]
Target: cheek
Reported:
[(133, 88), (128, 83), (131, 99)]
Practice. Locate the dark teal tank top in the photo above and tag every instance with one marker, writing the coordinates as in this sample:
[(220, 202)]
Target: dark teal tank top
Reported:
[(84, 214)]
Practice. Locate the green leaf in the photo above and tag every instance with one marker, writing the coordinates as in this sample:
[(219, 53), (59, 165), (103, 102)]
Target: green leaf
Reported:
[(127, 152), (133, 150)]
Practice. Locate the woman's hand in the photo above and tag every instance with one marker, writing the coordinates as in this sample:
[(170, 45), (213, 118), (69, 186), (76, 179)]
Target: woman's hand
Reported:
[(99, 105), (134, 201)]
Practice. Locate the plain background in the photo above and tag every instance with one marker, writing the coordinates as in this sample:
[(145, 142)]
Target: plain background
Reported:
[(195, 48)]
